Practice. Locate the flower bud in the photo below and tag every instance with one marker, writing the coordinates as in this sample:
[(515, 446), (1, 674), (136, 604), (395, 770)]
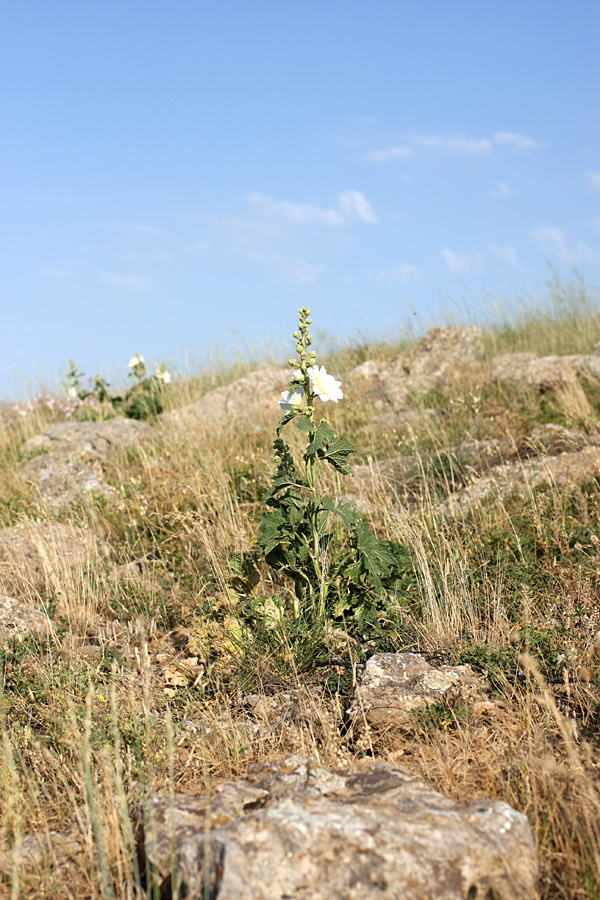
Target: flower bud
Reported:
[(309, 321), (296, 334), (293, 362), (298, 348)]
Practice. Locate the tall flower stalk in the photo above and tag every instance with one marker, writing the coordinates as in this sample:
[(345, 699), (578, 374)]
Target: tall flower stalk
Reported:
[(295, 532)]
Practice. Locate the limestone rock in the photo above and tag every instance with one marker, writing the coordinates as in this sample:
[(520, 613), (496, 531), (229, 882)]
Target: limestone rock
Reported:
[(246, 401), (394, 684), (299, 831), (428, 365), (566, 469), (71, 467), (18, 619), (96, 439), (37, 557), (61, 478)]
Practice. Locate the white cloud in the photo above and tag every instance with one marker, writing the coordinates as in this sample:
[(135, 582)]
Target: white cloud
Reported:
[(593, 180), (387, 153), (461, 262), (135, 282), (455, 143), (128, 228), (554, 242), (398, 274), (501, 189), (57, 273), (296, 270), (352, 206), (508, 254), (519, 142)]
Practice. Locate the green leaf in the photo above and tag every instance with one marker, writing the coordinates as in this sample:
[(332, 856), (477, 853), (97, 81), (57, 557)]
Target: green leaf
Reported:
[(337, 454), (322, 434), (303, 423), (344, 511), (284, 420)]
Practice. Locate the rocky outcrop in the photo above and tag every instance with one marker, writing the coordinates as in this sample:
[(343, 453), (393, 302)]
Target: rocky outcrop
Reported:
[(544, 372), (394, 684), (246, 401), (430, 364), (70, 464), (569, 469), (299, 831), (37, 557)]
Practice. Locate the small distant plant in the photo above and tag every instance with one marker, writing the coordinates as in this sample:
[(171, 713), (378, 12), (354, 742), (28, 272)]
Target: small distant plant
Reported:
[(145, 399), (336, 564)]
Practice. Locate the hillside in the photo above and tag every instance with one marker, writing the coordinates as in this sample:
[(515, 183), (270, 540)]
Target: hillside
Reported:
[(147, 645)]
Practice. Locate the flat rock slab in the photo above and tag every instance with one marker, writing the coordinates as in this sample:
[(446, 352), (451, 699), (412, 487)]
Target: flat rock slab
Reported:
[(246, 401), (37, 557), (18, 619), (298, 831), (394, 684)]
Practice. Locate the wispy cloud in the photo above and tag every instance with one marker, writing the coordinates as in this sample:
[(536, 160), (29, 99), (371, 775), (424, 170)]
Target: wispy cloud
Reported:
[(397, 274), (455, 143), (352, 206), (129, 228), (519, 142), (462, 262), (501, 189), (295, 270), (593, 180), (508, 255), (554, 242), (133, 282), (387, 153), (57, 273)]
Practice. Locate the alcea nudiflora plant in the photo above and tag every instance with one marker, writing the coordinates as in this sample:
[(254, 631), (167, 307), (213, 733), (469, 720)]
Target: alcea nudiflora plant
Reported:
[(337, 566)]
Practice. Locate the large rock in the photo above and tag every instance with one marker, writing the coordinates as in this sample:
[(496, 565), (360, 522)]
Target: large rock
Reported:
[(544, 372), (36, 558), (569, 469), (18, 619), (430, 364), (97, 439), (298, 831), (394, 684), (70, 465), (247, 401)]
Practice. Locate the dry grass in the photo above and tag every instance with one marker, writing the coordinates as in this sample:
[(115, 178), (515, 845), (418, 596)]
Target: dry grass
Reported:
[(176, 680)]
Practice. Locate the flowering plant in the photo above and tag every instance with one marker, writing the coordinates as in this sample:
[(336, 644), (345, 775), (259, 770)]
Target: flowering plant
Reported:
[(332, 572)]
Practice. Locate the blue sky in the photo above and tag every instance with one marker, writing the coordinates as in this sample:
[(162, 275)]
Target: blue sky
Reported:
[(179, 174)]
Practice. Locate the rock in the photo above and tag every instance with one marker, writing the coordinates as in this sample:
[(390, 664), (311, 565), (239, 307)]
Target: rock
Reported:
[(428, 365), (299, 831), (18, 619), (61, 478), (544, 372), (96, 439), (394, 684), (245, 401), (566, 469), (37, 557), (57, 857), (71, 467)]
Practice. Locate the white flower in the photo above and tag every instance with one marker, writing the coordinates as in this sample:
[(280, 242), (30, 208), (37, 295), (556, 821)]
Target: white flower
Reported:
[(163, 375), (297, 375), (72, 393), (292, 400), (135, 361), (324, 385)]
